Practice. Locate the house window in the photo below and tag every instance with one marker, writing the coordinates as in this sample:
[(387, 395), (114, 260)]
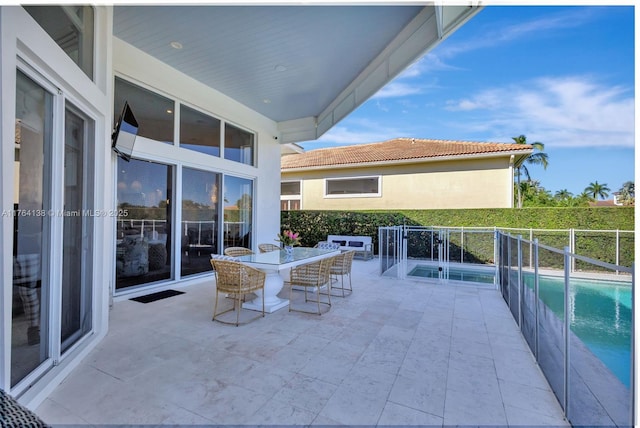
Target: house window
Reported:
[(352, 187), (238, 145), (199, 132), (71, 27), (290, 195), (290, 205), (153, 112), (290, 188)]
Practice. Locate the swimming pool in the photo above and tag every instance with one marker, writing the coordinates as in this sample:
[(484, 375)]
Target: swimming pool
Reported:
[(600, 317), (478, 275)]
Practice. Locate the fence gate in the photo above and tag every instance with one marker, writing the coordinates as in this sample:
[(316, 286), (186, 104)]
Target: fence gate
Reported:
[(391, 247)]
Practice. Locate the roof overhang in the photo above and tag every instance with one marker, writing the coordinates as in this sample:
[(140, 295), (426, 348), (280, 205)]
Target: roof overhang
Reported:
[(304, 67)]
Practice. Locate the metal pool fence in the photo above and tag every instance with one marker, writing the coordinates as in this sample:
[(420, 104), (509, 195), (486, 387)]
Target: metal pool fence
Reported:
[(576, 313), (475, 245), (566, 319)]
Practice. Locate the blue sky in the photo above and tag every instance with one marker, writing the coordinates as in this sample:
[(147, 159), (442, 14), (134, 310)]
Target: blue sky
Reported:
[(563, 76)]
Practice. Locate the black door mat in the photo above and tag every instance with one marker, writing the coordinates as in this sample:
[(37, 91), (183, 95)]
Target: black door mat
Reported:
[(157, 296)]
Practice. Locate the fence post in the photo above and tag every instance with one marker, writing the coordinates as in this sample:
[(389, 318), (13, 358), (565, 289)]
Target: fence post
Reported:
[(617, 250), (536, 291), (509, 275), (567, 329), (530, 248), (520, 281), (461, 244), (496, 258), (635, 397), (572, 247)]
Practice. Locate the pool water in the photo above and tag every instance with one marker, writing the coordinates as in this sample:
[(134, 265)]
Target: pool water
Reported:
[(601, 317), (455, 274)]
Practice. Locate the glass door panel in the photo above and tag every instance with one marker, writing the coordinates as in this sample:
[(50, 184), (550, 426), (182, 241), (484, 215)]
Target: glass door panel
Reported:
[(31, 285), (143, 240), (77, 226), (238, 209), (200, 220)]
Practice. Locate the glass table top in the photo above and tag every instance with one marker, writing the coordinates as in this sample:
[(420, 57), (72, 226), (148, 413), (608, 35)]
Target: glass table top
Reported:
[(277, 258)]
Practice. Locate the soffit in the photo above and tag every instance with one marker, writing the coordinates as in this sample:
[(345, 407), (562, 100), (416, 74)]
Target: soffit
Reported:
[(305, 67)]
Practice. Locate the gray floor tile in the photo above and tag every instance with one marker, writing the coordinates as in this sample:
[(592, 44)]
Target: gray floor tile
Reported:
[(393, 353), (396, 414)]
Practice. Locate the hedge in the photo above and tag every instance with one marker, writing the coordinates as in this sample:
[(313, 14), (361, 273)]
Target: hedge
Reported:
[(314, 226)]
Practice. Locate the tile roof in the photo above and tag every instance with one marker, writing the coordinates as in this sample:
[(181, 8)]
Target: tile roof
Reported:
[(397, 149)]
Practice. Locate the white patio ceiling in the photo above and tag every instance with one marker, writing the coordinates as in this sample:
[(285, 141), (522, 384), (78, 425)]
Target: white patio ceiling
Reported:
[(305, 67)]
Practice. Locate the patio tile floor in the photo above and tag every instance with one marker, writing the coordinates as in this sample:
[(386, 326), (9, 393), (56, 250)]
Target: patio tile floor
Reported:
[(393, 353)]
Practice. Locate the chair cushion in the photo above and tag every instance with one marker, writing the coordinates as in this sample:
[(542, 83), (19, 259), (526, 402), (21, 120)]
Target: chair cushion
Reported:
[(224, 257), (328, 245)]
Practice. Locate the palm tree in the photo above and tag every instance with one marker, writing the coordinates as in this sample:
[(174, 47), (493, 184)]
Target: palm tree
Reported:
[(597, 190), (539, 158), (563, 195)]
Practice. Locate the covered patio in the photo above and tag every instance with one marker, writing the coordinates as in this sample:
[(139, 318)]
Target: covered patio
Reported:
[(393, 353)]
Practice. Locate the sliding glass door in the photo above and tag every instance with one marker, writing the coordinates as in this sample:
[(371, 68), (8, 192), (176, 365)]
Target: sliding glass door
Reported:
[(53, 228), (77, 226), (32, 199)]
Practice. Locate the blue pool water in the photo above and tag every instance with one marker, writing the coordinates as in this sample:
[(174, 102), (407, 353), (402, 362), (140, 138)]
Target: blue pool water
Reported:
[(601, 317), (455, 274)]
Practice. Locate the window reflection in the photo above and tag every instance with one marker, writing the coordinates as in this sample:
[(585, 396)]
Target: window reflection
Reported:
[(71, 27), (200, 220), (153, 112), (238, 204), (238, 145), (143, 250), (199, 132)]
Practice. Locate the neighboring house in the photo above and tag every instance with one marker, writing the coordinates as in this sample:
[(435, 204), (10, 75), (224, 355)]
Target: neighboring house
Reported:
[(403, 173), (216, 91), (615, 202)]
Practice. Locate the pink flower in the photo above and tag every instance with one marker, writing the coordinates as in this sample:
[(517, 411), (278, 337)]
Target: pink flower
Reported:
[(289, 238)]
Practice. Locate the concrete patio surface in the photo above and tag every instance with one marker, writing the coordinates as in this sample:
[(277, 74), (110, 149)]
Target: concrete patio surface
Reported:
[(393, 353)]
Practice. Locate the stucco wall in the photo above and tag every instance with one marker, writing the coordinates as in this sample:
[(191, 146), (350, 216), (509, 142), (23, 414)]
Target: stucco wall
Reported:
[(472, 183)]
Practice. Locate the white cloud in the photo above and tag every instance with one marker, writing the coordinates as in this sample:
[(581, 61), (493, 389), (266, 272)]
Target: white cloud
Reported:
[(397, 89), (564, 112), (356, 131), (500, 34)]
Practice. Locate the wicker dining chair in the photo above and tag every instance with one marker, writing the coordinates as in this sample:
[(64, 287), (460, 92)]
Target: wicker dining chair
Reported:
[(341, 267), (236, 280), (312, 275), (265, 248), (237, 251)]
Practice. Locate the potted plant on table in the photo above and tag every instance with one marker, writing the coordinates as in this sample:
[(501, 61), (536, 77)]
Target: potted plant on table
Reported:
[(289, 239)]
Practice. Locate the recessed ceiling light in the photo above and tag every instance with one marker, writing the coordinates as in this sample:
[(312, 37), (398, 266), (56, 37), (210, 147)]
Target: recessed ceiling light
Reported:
[(169, 111), (280, 67), (266, 101), (176, 45)]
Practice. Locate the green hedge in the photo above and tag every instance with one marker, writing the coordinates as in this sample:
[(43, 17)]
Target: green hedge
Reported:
[(314, 226)]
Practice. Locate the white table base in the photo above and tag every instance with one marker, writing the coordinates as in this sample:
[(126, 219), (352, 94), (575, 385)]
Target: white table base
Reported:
[(272, 285)]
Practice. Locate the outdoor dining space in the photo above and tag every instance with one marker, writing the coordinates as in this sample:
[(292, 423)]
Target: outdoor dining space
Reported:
[(389, 352)]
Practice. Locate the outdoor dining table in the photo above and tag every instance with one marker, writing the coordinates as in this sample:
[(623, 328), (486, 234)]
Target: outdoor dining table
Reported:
[(272, 263)]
